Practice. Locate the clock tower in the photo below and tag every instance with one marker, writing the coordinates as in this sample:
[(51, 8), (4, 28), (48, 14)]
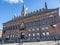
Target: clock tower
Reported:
[(23, 13)]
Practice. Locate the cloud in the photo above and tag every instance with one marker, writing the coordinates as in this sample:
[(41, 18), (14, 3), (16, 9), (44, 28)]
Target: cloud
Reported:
[(14, 1), (26, 8), (21, 1)]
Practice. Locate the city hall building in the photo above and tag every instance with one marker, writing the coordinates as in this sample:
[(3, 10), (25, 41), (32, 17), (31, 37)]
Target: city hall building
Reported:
[(42, 24)]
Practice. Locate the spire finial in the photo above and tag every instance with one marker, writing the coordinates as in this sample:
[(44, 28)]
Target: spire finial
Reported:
[(46, 6)]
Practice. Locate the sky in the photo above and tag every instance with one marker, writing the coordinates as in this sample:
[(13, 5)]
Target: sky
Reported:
[(10, 7)]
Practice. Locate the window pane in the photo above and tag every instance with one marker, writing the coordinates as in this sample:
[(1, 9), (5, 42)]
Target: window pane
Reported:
[(46, 21), (46, 28), (42, 22), (42, 28), (33, 34), (37, 23), (29, 34), (28, 25), (52, 20), (38, 34), (43, 34), (33, 29), (37, 29), (33, 38), (32, 24), (37, 37)]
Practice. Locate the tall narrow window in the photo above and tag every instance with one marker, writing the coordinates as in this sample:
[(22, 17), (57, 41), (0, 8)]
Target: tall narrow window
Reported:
[(32, 23), (33, 34), (28, 25), (37, 29), (37, 23), (46, 21), (42, 28), (52, 19), (46, 28), (29, 34), (33, 29), (43, 33), (47, 33), (38, 34)]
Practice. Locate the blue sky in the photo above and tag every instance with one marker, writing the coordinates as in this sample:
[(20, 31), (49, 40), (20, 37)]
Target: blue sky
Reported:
[(9, 7)]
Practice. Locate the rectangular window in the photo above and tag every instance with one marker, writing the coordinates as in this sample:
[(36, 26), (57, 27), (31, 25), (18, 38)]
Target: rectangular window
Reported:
[(13, 27), (37, 23), (47, 33), (46, 21), (33, 34), (38, 34), (17, 27), (52, 20), (27, 25), (32, 23), (33, 29), (43, 33), (37, 29), (42, 28), (41, 22), (29, 34), (46, 28)]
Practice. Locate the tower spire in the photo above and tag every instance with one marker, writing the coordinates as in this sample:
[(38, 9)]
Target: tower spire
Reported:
[(23, 13), (46, 6)]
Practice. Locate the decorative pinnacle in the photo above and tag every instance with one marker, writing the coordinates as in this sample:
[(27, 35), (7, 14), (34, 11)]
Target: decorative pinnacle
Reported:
[(46, 6)]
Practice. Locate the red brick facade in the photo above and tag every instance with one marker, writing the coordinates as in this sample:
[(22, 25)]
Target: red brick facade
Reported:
[(34, 29)]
